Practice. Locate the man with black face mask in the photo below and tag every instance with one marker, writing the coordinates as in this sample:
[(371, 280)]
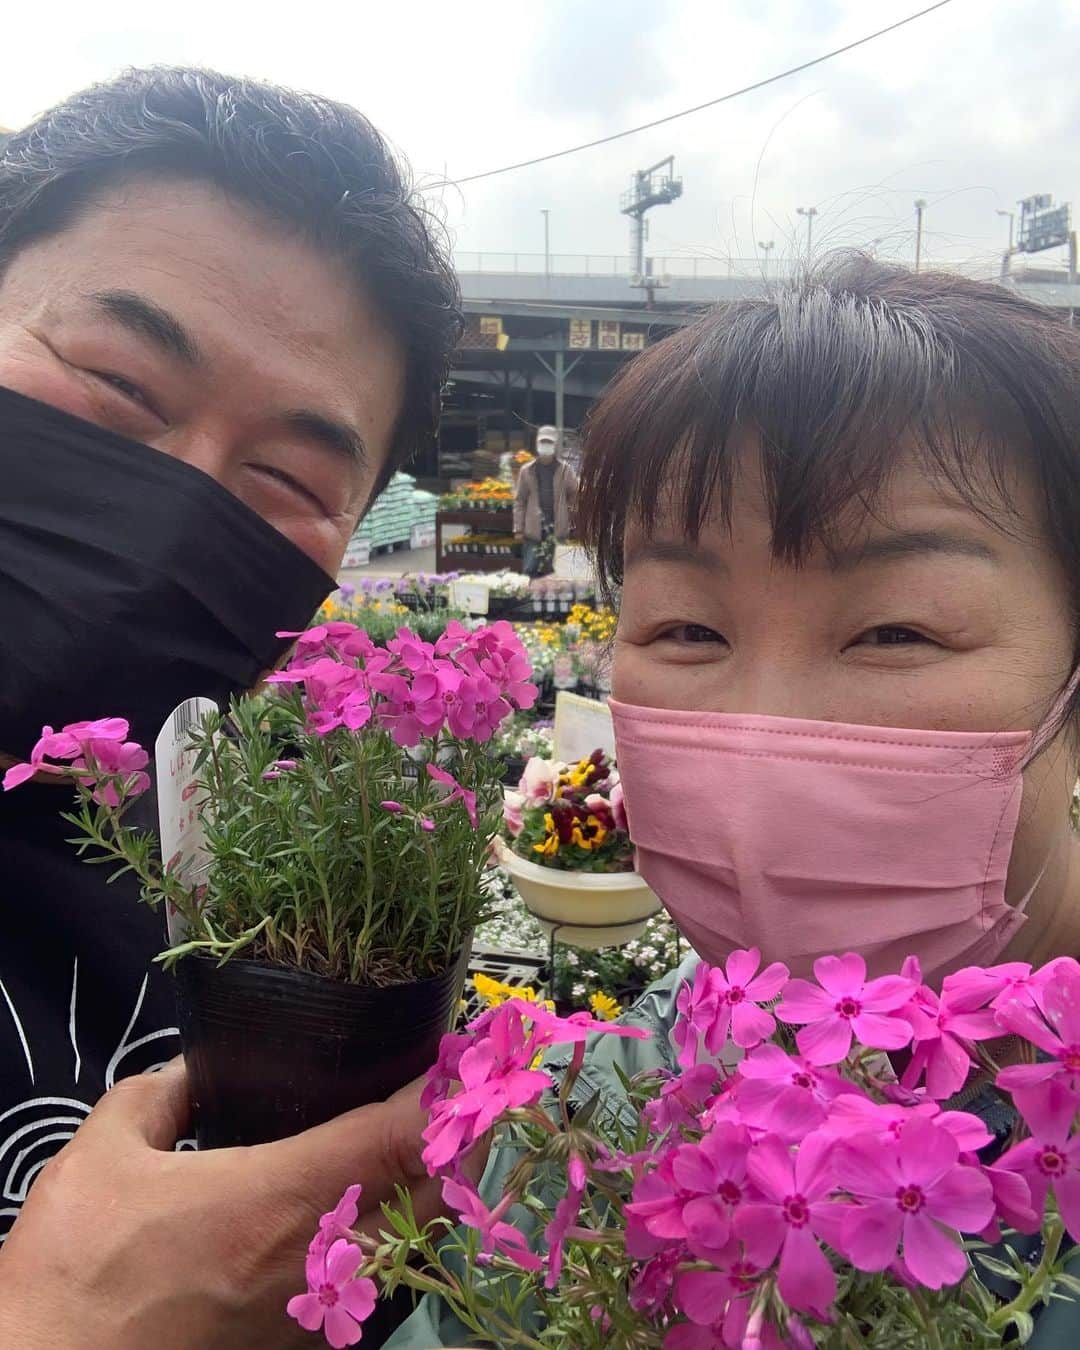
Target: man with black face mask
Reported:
[(224, 320)]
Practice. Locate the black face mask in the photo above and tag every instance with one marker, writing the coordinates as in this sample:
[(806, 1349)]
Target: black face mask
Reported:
[(129, 581)]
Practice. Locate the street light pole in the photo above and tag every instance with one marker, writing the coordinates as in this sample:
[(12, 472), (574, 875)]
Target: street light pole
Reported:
[(1006, 261), (920, 207), (766, 247), (809, 212), (546, 213)]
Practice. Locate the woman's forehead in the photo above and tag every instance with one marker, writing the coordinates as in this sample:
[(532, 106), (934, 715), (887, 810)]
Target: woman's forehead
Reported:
[(916, 497)]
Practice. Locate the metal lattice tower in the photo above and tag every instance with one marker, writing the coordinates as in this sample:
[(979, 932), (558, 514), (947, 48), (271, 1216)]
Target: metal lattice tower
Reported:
[(655, 186)]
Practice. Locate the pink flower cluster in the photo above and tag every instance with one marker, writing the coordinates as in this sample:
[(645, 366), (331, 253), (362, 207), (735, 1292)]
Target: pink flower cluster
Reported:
[(467, 682), (98, 753), (771, 1168), (782, 1166)]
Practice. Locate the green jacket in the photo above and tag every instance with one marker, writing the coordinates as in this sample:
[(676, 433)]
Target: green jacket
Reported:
[(433, 1326)]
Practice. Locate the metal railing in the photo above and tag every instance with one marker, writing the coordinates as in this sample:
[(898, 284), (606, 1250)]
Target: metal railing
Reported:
[(618, 265)]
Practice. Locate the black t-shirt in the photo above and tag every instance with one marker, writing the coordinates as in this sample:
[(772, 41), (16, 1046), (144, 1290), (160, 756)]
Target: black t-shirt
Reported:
[(81, 1004)]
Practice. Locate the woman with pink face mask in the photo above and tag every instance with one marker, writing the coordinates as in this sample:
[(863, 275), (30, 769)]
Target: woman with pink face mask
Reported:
[(842, 528), (845, 525)]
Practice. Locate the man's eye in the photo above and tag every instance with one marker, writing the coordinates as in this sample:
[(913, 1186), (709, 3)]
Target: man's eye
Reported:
[(122, 386), (293, 484), (692, 633), (891, 635)]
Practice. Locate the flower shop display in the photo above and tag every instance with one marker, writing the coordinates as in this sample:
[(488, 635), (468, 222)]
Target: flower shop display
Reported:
[(783, 1187), (566, 845), (488, 544), (325, 936), (621, 972), (490, 494)]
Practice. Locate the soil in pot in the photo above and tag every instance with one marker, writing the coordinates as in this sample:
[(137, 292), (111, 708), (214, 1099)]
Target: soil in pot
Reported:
[(272, 1051)]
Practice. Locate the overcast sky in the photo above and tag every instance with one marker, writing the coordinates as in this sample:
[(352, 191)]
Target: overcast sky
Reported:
[(970, 107)]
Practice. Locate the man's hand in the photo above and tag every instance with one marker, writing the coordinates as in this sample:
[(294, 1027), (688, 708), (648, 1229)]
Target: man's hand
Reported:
[(126, 1244)]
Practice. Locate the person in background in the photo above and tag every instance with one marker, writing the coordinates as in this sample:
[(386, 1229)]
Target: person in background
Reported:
[(225, 319), (544, 504)]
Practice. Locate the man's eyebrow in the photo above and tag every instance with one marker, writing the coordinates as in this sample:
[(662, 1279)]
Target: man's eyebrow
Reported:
[(147, 319), (911, 544), (674, 551), (328, 431)]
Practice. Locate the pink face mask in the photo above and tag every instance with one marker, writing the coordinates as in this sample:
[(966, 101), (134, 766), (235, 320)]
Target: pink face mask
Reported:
[(805, 838)]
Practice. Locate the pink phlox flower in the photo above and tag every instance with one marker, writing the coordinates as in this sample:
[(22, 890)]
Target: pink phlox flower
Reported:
[(846, 1005), (1012, 1203), (455, 637), (566, 1211), (551, 1029), (1050, 1159), (1024, 985), (794, 1212), (852, 1114), (693, 1194), (497, 1235), (443, 1074), (914, 1193), (732, 1001), (482, 707), (718, 1300), (339, 1222), (412, 651), (335, 1301), (681, 1099), (410, 710), (495, 1078), (69, 744), (651, 1284), (944, 1028), (1053, 1026), (784, 1093), (457, 792)]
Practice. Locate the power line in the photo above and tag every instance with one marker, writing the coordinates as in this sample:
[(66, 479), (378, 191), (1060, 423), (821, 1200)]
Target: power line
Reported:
[(712, 103)]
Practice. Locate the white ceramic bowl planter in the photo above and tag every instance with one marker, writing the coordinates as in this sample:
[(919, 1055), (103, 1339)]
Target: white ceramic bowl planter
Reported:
[(588, 909)]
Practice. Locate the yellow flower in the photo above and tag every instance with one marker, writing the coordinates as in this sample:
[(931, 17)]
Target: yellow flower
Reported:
[(604, 1007), (494, 992)]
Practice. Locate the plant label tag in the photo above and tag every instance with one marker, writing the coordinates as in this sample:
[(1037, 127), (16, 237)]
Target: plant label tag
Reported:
[(180, 827), (474, 597), (582, 725)]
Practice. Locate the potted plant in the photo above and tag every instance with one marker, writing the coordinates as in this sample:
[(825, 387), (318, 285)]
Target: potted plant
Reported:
[(320, 949), (566, 845)]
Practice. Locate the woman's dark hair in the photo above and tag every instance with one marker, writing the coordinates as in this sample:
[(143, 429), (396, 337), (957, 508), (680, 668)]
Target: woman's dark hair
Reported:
[(306, 161), (838, 374)]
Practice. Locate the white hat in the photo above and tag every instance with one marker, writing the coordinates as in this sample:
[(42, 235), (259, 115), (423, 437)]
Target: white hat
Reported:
[(547, 434)]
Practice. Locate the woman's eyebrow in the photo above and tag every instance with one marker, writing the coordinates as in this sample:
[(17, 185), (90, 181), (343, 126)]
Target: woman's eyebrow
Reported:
[(911, 543), (674, 551)]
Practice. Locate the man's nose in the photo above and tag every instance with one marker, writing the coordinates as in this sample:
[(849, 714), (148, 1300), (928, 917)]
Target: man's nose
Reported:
[(203, 447)]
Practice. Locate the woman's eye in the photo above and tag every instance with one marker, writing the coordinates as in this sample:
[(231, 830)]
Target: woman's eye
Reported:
[(693, 633), (891, 635)]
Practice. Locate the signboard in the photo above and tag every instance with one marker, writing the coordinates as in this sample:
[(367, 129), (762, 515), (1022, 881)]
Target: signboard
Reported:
[(1042, 226), (490, 325), (609, 335), (633, 342), (473, 597), (582, 725), (580, 333), (422, 536), (357, 553), (572, 563)]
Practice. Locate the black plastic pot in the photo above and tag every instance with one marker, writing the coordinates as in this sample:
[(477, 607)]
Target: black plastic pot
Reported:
[(272, 1051)]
